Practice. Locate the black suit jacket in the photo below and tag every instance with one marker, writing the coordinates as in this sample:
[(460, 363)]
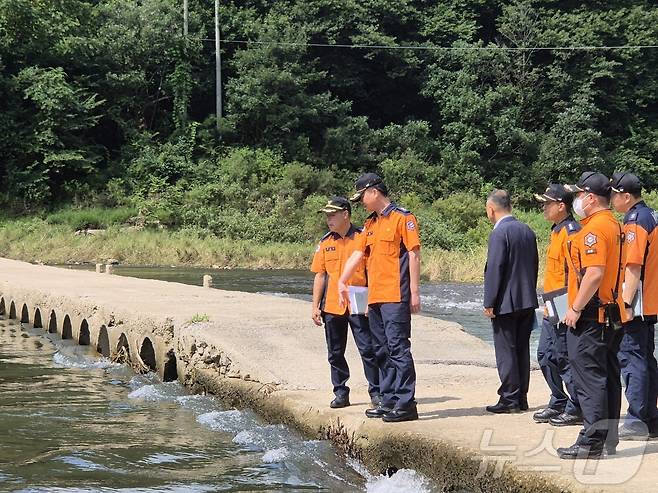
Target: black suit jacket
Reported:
[(510, 276)]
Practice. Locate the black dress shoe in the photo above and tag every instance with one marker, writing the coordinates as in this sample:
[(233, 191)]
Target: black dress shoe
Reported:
[(565, 419), (501, 408), (397, 415), (633, 434), (580, 452), (375, 400), (339, 402), (545, 414), (378, 411)]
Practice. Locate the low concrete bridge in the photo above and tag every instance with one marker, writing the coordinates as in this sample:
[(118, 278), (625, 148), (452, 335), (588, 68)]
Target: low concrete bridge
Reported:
[(263, 352), (146, 343)]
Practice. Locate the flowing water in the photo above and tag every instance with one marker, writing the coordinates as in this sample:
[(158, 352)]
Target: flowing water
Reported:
[(72, 422)]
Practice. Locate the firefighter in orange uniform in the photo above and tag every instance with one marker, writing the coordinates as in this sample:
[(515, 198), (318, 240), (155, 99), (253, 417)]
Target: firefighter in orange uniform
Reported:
[(330, 256), (392, 246), (636, 353), (562, 409), (594, 317)]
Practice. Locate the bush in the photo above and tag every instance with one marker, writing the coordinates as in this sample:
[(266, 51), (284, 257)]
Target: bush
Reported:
[(91, 218)]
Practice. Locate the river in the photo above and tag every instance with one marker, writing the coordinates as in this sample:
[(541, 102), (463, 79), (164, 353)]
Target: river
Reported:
[(72, 422)]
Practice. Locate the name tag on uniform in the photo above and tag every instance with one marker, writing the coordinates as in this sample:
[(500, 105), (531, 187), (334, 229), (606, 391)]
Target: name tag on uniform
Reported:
[(358, 300), (557, 304)]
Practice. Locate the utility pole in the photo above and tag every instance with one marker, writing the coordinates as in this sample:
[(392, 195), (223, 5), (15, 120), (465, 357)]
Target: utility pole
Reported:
[(218, 66), (185, 17)]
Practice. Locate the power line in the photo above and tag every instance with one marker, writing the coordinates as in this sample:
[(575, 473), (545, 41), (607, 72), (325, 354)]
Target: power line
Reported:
[(433, 48)]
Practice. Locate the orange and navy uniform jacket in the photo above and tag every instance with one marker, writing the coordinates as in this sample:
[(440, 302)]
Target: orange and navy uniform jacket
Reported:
[(641, 230), (330, 258), (557, 267), (387, 240), (598, 244)]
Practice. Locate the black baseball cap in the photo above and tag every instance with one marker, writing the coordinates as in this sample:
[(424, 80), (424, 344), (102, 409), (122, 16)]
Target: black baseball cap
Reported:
[(592, 182), (625, 182), (336, 204), (556, 193), (365, 181)]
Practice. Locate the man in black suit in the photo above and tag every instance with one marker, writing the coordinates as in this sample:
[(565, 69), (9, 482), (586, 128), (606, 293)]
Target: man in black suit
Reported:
[(510, 300)]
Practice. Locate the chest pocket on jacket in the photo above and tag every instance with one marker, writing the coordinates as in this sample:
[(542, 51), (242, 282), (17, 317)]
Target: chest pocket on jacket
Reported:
[(555, 260), (331, 260), (386, 244)]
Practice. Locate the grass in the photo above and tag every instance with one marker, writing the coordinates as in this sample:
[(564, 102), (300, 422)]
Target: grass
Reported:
[(91, 217), (52, 240), (38, 240), (199, 317)]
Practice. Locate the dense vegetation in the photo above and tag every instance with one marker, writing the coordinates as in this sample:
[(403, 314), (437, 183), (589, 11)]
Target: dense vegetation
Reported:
[(104, 103)]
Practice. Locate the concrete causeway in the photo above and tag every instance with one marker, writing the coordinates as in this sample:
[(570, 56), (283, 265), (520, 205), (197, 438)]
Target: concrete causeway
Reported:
[(264, 352)]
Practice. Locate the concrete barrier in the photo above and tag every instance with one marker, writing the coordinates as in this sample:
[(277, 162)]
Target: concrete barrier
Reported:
[(264, 352)]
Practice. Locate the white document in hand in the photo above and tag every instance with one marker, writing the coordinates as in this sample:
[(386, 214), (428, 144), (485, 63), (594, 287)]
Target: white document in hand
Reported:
[(561, 306), (358, 300), (638, 302)]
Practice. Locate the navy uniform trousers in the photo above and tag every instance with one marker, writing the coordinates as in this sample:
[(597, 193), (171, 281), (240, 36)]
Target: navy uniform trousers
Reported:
[(593, 349), (390, 324), (640, 374), (511, 335), (554, 363), (335, 329)]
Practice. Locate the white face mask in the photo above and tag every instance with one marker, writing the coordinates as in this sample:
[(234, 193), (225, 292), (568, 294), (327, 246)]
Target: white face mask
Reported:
[(578, 207)]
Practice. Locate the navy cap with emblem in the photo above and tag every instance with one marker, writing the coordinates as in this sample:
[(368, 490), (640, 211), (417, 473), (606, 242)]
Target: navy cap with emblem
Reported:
[(556, 193), (625, 183), (363, 183), (336, 204), (592, 182)]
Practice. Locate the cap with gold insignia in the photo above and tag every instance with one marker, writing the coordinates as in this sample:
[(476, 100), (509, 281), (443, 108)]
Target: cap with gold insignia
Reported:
[(336, 204), (625, 182), (365, 182), (556, 193), (592, 182)]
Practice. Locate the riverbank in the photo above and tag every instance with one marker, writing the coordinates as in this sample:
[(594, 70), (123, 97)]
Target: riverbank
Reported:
[(37, 241), (264, 353)]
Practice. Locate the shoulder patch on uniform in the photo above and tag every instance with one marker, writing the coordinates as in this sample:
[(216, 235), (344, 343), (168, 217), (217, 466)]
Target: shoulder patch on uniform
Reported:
[(590, 239), (630, 237), (411, 225), (573, 227)]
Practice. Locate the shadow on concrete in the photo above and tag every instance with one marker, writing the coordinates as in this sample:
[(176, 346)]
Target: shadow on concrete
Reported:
[(453, 413), (466, 411), (422, 400), (647, 448), (436, 400)]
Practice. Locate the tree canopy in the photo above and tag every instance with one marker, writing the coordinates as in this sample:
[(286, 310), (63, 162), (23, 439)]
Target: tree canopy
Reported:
[(106, 99)]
